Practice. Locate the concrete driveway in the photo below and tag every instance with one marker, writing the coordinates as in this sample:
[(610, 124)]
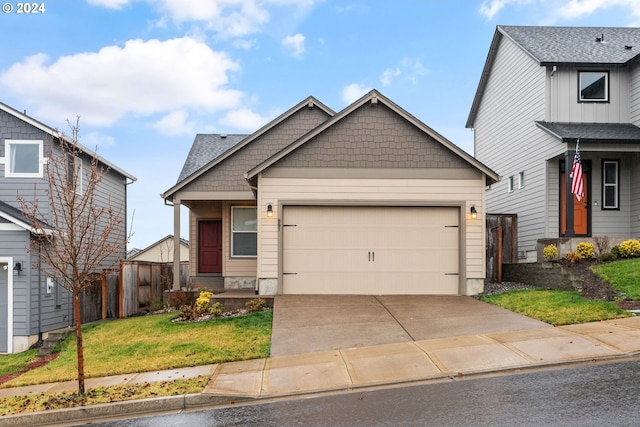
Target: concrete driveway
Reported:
[(311, 323)]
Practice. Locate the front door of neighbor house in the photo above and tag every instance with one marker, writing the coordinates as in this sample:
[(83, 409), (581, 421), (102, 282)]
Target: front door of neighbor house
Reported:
[(580, 208), (210, 247), (4, 307)]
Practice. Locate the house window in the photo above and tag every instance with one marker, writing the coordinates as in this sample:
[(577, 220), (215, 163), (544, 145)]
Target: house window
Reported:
[(244, 232), (610, 184), (521, 180), (75, 175), (510, 186), (593, 86), (23, 159)]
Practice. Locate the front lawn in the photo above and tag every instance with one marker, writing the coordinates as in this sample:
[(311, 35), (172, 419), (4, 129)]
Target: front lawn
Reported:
[(151, 343), (556, 307), (624, 276)]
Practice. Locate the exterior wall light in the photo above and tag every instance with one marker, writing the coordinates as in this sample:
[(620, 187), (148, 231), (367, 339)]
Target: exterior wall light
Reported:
[(474, 212), (17, 268), (269, 211)]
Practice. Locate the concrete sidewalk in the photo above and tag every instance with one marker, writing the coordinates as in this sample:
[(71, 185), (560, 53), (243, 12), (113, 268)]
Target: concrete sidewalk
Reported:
[(346, 369)]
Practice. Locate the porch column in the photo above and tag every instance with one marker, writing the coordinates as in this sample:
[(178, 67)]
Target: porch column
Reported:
[(176, 246), (568, 165)]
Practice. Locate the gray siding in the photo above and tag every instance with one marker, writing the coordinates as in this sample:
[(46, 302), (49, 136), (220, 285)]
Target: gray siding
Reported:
[(634, 160), (634, 95), (508, 141)]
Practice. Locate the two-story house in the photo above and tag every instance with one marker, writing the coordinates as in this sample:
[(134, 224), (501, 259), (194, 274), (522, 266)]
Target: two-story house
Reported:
[(31, 305), (542, 91)]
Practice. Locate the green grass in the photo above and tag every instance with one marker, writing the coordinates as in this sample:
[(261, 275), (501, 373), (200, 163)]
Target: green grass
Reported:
[(150, 343), (13, 363), (556, 307), (624, 276)]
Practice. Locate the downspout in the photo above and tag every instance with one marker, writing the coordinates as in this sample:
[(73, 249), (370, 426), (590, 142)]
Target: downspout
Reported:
[(39, 292)]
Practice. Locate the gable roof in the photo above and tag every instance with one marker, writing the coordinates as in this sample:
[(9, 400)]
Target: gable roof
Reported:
[(217, 156), (205, 148), (15, 216), (134, 252), (57, 134), (563, 46), (373, 97), (593, 132)]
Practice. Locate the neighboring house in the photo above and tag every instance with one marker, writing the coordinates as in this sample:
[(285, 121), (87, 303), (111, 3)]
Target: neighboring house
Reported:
[(160, 251), (369, 200), (543, 89), (30, 304)]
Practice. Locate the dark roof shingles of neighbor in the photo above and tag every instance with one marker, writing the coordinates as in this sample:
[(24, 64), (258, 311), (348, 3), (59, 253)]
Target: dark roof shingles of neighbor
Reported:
[(605, 132), (577, 44), (205, 148), (17, 214)]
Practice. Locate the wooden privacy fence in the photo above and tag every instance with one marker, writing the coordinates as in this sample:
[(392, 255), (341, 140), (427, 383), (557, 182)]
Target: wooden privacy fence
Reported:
[(100, 300), (143, 283), (502, 243)]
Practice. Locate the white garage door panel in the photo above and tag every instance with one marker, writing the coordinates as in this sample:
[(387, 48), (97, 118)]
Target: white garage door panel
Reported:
[(370, 250)]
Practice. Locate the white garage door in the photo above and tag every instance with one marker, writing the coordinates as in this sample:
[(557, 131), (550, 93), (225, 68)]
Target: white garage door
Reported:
[(370, 250)]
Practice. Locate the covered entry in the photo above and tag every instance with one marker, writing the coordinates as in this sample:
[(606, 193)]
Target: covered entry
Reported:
[(370, 250)]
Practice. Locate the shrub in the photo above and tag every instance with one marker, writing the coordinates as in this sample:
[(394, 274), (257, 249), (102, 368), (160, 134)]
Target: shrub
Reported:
[(609, 256), (602, 244), (257, 304), (203, 302), (216, 309), (615, 251), (550, 252), (177, 299), (629, 249), (586, 250), (572, 257)]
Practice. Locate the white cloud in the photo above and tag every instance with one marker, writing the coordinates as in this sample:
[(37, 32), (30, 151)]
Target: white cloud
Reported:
[(295, 44), (561, 9), (244, 119), (176, 124), (95, 140), (388, 75), (353, 92), (142, 77), (110, 4), (244, 44)]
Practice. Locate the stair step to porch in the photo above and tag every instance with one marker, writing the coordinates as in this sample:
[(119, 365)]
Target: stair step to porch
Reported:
[(53, 338)]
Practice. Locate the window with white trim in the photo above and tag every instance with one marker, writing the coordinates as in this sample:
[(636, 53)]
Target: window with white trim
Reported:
[(244, 231), (521, 180), (23, 158), (593, 86), (510, 183), (610, 184)]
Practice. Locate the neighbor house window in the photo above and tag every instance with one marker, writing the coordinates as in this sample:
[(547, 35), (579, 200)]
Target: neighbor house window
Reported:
[(510, 183), (593, 86), (244, 232), (521, 180), (610, 184), (23, 159)]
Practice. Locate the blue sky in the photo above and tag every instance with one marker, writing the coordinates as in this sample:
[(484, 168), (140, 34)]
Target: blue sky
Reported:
[(146, 75)]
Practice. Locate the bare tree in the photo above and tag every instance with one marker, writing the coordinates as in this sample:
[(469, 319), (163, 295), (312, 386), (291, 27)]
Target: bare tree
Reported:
[(84, 234)]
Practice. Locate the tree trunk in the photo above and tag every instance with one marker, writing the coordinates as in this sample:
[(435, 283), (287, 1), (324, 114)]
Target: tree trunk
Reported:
[(76, 310)]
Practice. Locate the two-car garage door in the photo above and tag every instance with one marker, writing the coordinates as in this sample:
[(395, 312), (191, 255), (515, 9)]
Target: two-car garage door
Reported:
[(370, 250)]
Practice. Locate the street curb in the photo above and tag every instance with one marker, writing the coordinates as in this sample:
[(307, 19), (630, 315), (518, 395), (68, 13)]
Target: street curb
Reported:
[(117, 409)]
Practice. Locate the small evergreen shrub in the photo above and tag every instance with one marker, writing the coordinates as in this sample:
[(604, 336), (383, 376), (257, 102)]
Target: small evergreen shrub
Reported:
[(550, 252), (572, 257), (586, 250), (629, 248), (607, 257), (257, 304), (203, 302), (216, 309)]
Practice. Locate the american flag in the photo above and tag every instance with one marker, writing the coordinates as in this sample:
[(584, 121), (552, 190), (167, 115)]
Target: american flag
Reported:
[(577, 185)]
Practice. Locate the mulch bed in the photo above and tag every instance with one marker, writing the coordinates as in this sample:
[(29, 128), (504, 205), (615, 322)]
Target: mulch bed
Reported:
[(40, 361)]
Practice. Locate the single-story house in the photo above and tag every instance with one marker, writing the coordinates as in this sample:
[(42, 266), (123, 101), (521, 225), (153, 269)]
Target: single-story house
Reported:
[(368, 200), (160, 251)]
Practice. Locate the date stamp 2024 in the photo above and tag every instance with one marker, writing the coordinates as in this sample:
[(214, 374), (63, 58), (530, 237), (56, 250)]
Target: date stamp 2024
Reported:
[(24, 8)]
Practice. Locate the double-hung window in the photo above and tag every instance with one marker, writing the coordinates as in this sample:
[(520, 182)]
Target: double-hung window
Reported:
[(593, 86), (610, 184), (244, 231), (23, 158), (75, 174)]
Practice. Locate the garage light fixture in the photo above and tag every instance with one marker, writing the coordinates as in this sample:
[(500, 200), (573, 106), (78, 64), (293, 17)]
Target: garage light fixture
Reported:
[(269, 211), (474, 212)]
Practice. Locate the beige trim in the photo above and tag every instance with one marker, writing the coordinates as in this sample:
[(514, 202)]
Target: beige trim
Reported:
[(373, 173), (213, 195)]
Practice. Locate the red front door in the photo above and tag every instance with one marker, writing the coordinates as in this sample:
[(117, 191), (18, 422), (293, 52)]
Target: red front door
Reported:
[(580, 209), (210, 247)]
